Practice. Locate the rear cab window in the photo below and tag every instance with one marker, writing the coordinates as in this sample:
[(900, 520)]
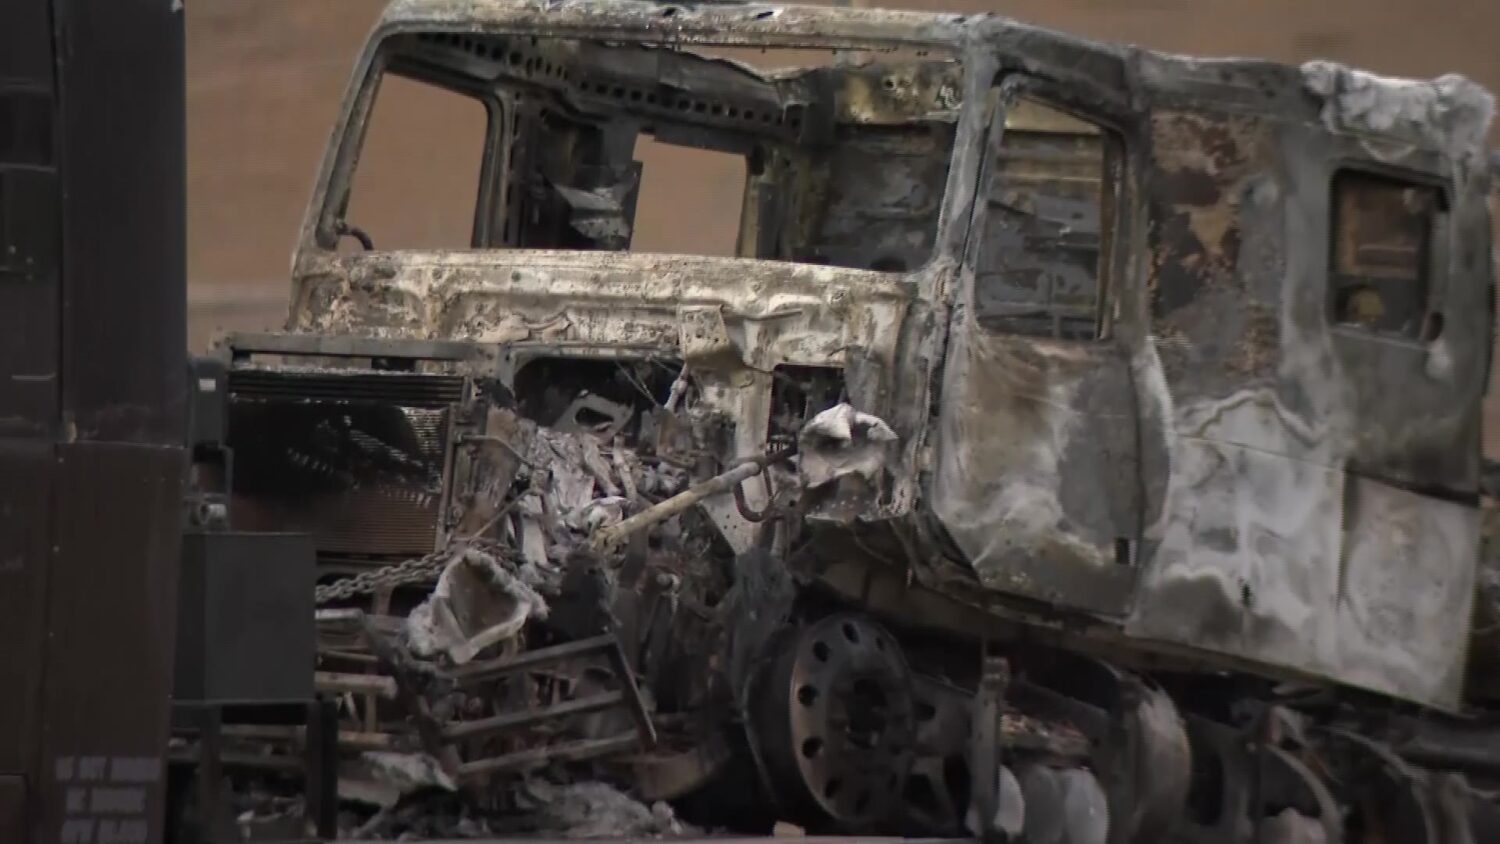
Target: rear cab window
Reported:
[(1384, 256)]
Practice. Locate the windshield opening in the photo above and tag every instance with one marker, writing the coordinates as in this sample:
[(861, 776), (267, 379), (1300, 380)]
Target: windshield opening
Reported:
[(788, 155)]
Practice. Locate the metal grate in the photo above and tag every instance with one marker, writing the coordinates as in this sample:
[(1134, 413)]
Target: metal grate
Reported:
[(356, 459), (403, 388)]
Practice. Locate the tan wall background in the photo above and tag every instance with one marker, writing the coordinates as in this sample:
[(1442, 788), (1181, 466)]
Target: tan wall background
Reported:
[(265, 78)]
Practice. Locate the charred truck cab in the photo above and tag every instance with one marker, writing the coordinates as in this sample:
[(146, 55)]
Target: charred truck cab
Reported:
[(1073, 429)]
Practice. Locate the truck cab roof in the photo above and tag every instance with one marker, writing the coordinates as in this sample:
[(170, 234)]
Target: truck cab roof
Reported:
[(1450, 113)]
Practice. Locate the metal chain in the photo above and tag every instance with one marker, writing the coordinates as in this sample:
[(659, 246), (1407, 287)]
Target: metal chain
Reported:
[(418, 570)]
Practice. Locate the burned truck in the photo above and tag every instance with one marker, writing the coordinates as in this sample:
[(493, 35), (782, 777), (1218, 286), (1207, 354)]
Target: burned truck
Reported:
[(1080, 444)]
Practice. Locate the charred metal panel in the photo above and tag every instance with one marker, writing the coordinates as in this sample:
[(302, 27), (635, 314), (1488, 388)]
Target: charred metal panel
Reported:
[(1246, 548), (1267, 545), (1036, 439), (111, 621), (1038, 466), (122, 145), (750, 23), (1212, 189), (622, 300), (1405, 589)]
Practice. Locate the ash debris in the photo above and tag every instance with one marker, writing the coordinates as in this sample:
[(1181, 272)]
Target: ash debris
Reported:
[(842, 442), (580, 810)]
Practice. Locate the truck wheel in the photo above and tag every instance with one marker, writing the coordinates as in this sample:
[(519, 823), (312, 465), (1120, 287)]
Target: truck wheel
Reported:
[(835, 724)]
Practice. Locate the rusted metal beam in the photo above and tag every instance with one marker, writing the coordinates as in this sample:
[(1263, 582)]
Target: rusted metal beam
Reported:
[(490, 668), (512, 720)]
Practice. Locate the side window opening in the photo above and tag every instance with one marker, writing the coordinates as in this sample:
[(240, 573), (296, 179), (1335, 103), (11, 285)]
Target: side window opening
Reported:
[(1384, 233), (416, 186), (1049, 219)]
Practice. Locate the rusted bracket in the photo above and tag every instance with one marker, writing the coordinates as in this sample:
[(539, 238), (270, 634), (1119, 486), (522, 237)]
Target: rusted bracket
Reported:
[(781, 506)]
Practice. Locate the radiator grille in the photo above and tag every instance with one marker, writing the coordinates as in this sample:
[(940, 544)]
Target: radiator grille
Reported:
[(403, 388), (356, 459)]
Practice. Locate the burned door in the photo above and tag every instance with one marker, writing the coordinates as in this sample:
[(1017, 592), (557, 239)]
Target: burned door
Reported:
[(1037, 482)]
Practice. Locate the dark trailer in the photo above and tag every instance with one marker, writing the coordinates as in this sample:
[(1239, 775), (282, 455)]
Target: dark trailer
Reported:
[(92, 338)]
